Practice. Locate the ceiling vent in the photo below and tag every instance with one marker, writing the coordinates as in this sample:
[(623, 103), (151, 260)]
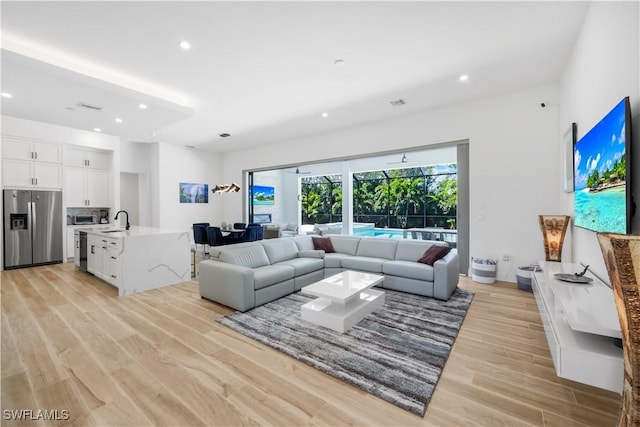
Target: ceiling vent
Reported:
[(89, 106)]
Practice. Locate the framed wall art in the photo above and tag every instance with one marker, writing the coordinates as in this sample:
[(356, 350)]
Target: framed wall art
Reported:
[(194, 193), (569, 141)]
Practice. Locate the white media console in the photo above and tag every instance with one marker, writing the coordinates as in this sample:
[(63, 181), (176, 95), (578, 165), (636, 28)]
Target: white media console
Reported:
[(581, 325)]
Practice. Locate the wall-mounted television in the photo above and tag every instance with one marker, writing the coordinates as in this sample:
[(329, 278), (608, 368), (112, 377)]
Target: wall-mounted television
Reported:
[(602, 174)]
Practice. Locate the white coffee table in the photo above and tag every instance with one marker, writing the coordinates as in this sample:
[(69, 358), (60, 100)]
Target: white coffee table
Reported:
[(343, 299)]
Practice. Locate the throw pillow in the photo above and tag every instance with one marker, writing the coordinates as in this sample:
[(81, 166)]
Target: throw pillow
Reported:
[(323, 243), (433, 254)]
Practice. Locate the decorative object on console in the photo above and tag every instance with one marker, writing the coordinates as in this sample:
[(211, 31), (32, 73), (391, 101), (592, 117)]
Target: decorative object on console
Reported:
[(575, 277), (554, 228), (622, 258)]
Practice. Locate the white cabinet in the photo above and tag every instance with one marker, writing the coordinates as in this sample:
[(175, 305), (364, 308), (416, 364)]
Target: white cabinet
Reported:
[(20, 149), (103, 258), (71, 244), (31, 164), (94, 254), (86, 178), (87, 158), (581, 325)]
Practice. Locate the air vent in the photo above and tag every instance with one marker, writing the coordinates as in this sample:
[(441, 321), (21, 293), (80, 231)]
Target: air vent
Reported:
[(398, 102), (89, 106)]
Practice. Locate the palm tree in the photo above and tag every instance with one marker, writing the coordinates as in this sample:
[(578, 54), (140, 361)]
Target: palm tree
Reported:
[(364, 198), (445, 196), (310, 207), (399, 194)]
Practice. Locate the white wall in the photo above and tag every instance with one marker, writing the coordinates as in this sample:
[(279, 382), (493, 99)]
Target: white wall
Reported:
[(514, 173), (272, 178), (177, 164), (136, 158), (130, 198), (604, 68)]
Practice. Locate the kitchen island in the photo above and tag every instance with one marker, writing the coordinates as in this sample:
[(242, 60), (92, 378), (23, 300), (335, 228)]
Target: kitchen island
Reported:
[(140, 258)]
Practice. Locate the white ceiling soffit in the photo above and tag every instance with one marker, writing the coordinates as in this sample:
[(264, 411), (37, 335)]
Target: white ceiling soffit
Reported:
[(264, 71), (51, 94)]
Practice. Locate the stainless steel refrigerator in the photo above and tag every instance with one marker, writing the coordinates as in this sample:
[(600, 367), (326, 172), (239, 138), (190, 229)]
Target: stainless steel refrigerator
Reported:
[(32, 228)]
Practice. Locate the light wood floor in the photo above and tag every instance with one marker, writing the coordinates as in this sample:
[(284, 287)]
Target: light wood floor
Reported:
[(160, 358)]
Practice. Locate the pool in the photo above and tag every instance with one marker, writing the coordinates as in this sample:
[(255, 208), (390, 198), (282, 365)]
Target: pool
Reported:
[(369, 230)]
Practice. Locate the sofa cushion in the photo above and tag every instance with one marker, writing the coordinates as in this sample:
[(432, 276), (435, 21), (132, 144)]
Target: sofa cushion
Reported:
[(324, 244), (433, 254), (271, 274), (363, 263), (304, 243), (304, 265), (378, 248), (345, 244), (311, 254), (335, 260), (280, 249), (251, 256), (409, 269)]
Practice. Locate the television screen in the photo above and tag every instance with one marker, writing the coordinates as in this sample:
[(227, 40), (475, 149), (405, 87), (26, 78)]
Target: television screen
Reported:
[(602, 197)]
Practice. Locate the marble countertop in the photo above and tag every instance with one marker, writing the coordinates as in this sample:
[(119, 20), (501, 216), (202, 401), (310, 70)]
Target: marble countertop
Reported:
[(134, 231)]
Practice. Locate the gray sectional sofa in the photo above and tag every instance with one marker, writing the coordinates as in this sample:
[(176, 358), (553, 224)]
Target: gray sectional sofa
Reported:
[(246, 275)]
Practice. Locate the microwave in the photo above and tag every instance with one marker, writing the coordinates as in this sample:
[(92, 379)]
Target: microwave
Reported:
[(85, 219)]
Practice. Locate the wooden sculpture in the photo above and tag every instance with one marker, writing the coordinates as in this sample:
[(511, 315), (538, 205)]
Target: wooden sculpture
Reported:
[(622, 258), (554, 228)]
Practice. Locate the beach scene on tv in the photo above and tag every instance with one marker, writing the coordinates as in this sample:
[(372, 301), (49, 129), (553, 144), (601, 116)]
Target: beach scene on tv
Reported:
[(600, 175)]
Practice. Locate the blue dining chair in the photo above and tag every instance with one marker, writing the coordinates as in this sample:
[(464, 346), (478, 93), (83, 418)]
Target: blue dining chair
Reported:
[(200, 236), (253, 233), (216, 238)]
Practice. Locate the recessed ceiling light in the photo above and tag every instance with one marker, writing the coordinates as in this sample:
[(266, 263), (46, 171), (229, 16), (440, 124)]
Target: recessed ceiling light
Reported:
[(185, 45), (339, 62), (118, 120), (464, 78), (6, 95), (325, 114), (97, 129), (143, 106)]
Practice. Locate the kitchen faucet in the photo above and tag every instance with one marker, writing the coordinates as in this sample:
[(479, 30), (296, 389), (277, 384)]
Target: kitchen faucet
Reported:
[(127, 213)]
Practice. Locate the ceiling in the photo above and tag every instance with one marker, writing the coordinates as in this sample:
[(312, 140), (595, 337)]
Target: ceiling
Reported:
[(265, 72)]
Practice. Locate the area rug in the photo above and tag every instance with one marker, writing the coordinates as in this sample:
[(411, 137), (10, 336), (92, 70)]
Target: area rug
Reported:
[(396, 353)]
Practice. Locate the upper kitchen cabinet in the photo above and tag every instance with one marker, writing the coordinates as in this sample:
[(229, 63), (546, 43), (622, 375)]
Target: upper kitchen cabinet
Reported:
[(86, 178), (31, 164), (86, 158)]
